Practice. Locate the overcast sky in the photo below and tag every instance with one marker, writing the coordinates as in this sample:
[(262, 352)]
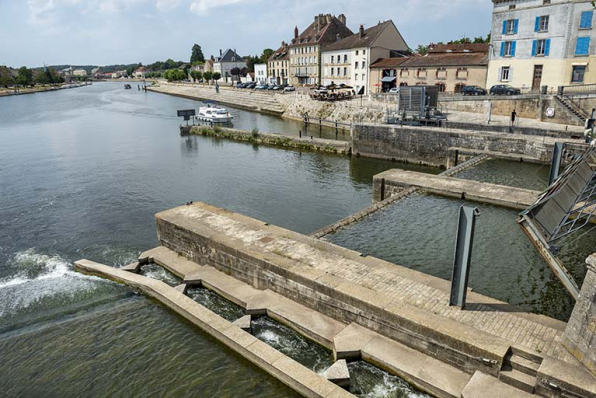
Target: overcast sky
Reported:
[(101, 32)]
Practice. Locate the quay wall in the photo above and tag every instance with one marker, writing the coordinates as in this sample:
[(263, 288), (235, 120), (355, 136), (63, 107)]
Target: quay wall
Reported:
[(437, 146), (278, 140)]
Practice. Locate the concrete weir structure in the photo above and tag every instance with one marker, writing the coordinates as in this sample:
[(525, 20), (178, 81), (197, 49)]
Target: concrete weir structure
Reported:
[(393, 182), (495, 345)]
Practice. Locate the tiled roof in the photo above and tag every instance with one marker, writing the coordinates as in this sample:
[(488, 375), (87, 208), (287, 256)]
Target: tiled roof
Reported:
[(447, 59), (460, 48), (389, 62), (355, 41), (327, 33), (281, 54), (230, 56)]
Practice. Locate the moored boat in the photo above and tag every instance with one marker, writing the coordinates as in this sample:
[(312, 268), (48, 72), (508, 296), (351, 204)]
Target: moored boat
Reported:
[(214, 114)]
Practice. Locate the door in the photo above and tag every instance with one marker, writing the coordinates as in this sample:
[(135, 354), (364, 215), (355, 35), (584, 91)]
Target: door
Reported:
[(537, 78)]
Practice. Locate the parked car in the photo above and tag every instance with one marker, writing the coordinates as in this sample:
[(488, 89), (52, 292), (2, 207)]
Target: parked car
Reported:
[(279, 87), (251, 85), (504, 89), (262, 87), (394, 90), (473, 90), (289, 88), (240, 85)]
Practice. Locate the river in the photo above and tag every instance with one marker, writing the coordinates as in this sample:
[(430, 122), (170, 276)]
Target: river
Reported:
[(82, 173)]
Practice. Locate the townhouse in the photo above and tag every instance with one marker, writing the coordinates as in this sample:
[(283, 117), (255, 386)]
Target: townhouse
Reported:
[(348, 60), (306, 48), (539, 43), (279, 65), (226, 62)]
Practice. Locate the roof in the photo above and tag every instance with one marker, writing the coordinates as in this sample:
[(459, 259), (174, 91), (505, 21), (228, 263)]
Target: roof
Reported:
[(229, 56), (388, 62), (460, 48), (141, 69), (448, 59), (326, 34), (355, 41), (282, 54)]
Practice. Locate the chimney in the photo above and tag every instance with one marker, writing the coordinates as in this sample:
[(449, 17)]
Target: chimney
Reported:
[(296, 32), (342, 19), (361, 31), (329, 18), (220, 52), (317, 26)]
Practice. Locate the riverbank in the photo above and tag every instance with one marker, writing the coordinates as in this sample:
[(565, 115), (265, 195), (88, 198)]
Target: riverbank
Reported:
[(257, 138)]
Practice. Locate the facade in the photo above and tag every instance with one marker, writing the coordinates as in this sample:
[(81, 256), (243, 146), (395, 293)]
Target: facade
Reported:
[(306, 48), (279, 65), (542, 43), (261, 73), (80, 72), (140, 73), (450, 67), (348, 60), (209, 65), (227, 61)]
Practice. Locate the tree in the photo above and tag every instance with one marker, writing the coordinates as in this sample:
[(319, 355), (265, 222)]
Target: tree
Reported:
[(41, 78), (208, 76), (251, 61), (235, 71), (422, 50), (199, 75), (25, 76), (197, 54), (170, 64), (267, 53), (193, 75), (244, 72), (6, 78), (216, 76)]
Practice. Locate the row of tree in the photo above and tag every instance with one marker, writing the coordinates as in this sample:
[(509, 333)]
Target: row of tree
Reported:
[(29, 77), (206, 76), (423, 50)]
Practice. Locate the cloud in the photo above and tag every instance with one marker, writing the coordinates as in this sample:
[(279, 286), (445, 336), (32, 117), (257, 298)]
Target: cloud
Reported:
[(202, 7), (42, 12), (165, 5)]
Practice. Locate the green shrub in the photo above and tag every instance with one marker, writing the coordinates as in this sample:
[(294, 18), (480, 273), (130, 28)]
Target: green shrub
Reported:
[(255, 133)]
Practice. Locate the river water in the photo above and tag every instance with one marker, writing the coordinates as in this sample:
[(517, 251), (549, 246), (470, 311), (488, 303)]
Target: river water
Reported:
[(82, 173)]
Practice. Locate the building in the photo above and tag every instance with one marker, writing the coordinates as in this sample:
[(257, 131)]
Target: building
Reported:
[(542, 43), (451, 67), (306, 48), (208, 67), (348, 60), (140, 73), (80, 72), (66, 72), (279, 65), (227, 61), (94, 71), (119, 74), (261, 73)]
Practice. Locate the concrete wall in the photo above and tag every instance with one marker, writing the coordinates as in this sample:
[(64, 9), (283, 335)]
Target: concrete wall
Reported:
[(433, 146), (580, 335)]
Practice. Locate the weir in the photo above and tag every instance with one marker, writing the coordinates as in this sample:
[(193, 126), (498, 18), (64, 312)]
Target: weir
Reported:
[(394, 181), (400, 304)]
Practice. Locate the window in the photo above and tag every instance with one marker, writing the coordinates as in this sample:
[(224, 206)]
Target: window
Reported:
[(541, 24), (586, 20), (363, 52), (356, 52), (332, 69), (356, 77), (545, 2), (345, 58), (441, 87), (577, 76), (338, 69), (404, 73), (356, 65), (422, 73), (541, 48), (363, 64), (505, 74), (508, 49), (510, 26), (345, 71), (441, 74), (512, 7), (462, 73), (332, 59), (582, 47)]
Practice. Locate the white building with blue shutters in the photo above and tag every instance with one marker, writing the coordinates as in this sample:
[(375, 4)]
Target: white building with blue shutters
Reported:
[(537, 43)]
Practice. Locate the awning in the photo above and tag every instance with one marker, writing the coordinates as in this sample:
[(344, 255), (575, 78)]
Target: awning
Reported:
[(388, 79)]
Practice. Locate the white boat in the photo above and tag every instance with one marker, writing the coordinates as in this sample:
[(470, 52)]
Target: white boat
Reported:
[(214, 114)]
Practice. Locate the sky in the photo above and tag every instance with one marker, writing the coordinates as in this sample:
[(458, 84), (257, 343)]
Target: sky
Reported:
[(104, 32)]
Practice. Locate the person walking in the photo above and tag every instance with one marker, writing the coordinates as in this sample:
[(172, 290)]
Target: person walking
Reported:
[(513, 117)]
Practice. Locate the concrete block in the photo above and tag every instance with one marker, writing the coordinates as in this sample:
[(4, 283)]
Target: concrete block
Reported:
[(244, 323), (182, 288), (133, 267), (302, 379), (348, 343), (482, 386), (339, 374), (555, 376)]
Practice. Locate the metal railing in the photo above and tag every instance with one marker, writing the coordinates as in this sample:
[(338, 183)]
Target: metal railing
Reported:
[(577, 89)]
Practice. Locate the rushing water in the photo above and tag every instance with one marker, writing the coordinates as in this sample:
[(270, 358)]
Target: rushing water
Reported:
[(292, 343), (82, 173), (214, 302), (368, 381), (419, 232), (161, 274)]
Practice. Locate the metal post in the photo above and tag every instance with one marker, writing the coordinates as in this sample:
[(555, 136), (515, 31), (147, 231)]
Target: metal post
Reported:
[(556, 162), (490, 111), (593, 116), (463, 255)]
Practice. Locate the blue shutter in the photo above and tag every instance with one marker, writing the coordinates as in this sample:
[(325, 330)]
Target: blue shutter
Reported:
[(546, 47), (513, 49), (504, 27), (537, 25), (534, 45), (582, 47), (503, 49), (515, 25), (586, 20)]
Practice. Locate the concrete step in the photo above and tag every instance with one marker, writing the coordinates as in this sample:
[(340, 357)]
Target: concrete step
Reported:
[(522, 364), (518, 379)]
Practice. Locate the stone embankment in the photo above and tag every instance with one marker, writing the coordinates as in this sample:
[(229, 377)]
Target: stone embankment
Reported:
[(278, 140)]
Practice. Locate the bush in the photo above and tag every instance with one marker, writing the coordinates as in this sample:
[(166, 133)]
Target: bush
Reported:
[(255, 133)]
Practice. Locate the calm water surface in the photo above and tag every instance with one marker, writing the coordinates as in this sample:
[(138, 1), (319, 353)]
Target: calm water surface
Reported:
[(82, 173)]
